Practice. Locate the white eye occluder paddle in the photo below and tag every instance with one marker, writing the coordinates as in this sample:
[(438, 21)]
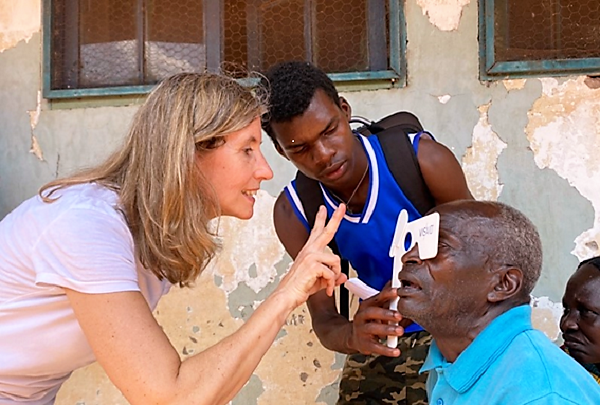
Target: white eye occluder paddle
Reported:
[(423, 232)]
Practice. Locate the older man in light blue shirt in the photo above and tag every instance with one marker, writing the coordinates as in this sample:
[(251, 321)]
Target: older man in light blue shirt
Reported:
[(473, 298)]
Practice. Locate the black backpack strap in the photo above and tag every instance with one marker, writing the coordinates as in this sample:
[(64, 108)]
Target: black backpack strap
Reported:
[(400, 156), (311, 197), (404, 120), (402, 161), (344, 296)]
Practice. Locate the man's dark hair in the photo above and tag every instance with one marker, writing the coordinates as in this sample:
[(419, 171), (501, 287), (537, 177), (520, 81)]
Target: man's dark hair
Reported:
[(291, 86), (594, 261)]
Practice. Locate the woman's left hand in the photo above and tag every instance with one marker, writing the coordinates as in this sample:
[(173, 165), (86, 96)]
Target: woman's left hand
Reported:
[(315, 267)]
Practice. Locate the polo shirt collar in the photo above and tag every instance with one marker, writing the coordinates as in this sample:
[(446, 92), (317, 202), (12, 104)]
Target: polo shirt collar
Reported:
[(474, 361)]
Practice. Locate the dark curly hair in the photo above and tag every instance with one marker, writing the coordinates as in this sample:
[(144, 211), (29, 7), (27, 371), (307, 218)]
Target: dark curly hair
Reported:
[(594, 261), (291, 86)]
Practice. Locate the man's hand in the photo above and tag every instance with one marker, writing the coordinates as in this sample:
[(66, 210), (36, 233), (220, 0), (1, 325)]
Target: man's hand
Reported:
[(374, 321)]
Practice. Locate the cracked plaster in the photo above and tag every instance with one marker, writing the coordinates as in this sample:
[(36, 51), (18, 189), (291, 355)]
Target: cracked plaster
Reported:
[(545, 316), (444, 14), (34, 118), (19, 20), (479, 162), (564, 131), (237, 253), (514, 84)]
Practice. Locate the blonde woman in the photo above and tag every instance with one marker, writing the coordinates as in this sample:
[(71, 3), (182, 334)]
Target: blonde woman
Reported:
[(83, 264)]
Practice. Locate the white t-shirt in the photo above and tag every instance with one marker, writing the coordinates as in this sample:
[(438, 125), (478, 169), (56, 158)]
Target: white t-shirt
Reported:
[(81, 242)]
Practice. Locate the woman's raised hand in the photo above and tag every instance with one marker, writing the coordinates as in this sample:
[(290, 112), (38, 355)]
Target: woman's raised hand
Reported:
[(315, 267)]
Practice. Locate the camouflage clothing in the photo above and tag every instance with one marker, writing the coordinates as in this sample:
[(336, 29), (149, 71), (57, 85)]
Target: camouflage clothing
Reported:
[(370, 380)]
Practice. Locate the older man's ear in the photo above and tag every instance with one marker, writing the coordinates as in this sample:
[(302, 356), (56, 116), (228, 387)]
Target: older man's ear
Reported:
[(507, 283)]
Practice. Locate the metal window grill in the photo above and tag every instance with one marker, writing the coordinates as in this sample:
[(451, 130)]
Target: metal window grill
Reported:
[(111, 43), (546, 29)]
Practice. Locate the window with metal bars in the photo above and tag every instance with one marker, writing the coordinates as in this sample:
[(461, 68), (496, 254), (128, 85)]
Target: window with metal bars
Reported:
[(538, 37), (105, 47)]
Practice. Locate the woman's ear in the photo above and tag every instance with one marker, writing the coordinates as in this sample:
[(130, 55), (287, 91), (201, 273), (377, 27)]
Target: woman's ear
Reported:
[(507, 283), (345, 106)]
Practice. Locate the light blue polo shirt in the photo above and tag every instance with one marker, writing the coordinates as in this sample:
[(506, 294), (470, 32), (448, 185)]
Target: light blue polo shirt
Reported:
[(509, 363)]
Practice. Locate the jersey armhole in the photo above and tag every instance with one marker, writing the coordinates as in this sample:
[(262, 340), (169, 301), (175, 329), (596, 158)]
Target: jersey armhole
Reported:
[(416, 138), (292, 196)]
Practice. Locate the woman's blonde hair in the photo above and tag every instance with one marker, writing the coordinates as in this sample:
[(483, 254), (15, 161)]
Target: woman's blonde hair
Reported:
[(165, 199)]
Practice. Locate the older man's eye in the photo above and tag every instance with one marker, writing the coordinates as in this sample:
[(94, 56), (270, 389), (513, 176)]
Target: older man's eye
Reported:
[(586, 312)]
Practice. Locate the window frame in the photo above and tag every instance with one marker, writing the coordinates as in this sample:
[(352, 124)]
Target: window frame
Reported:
[(490, 69), (394, 76)]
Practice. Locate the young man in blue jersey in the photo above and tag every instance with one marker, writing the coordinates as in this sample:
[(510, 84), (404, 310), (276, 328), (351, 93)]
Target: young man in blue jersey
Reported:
[(309, 125), (473, 297)]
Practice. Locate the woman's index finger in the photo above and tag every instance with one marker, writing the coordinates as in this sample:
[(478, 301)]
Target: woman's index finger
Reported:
[(323, 234)]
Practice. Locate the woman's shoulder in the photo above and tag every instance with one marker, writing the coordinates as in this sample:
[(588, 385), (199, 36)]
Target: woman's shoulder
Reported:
[(86, 193), (83, 197), (76, 206)]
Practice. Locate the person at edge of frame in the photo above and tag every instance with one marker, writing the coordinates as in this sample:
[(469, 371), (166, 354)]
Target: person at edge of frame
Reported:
[(580, 322)]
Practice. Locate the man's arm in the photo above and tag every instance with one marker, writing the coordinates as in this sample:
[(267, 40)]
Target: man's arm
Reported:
[(442, 172), (333, 330)]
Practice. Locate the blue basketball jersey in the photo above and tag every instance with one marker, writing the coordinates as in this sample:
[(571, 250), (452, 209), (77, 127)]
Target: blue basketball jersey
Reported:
[(364, 239)]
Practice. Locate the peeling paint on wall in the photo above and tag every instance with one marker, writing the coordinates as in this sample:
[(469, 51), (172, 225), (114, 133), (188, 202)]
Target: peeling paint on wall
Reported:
[(34, 118), (514, 84), (35, 148), (564, 135), (444, 98), (479, 162), (444, 14), (19, 20), (253, 386), (545, 316), (593, 82), (297, 359), (244, 245)]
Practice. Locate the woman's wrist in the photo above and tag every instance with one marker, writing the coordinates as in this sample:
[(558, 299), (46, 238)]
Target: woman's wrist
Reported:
[(284, 301)]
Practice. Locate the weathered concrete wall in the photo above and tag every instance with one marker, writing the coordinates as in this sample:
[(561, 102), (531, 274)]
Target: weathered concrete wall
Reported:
[(530, 143)]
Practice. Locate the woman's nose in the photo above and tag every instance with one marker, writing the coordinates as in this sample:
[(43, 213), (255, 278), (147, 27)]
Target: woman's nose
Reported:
[(263, 170)]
